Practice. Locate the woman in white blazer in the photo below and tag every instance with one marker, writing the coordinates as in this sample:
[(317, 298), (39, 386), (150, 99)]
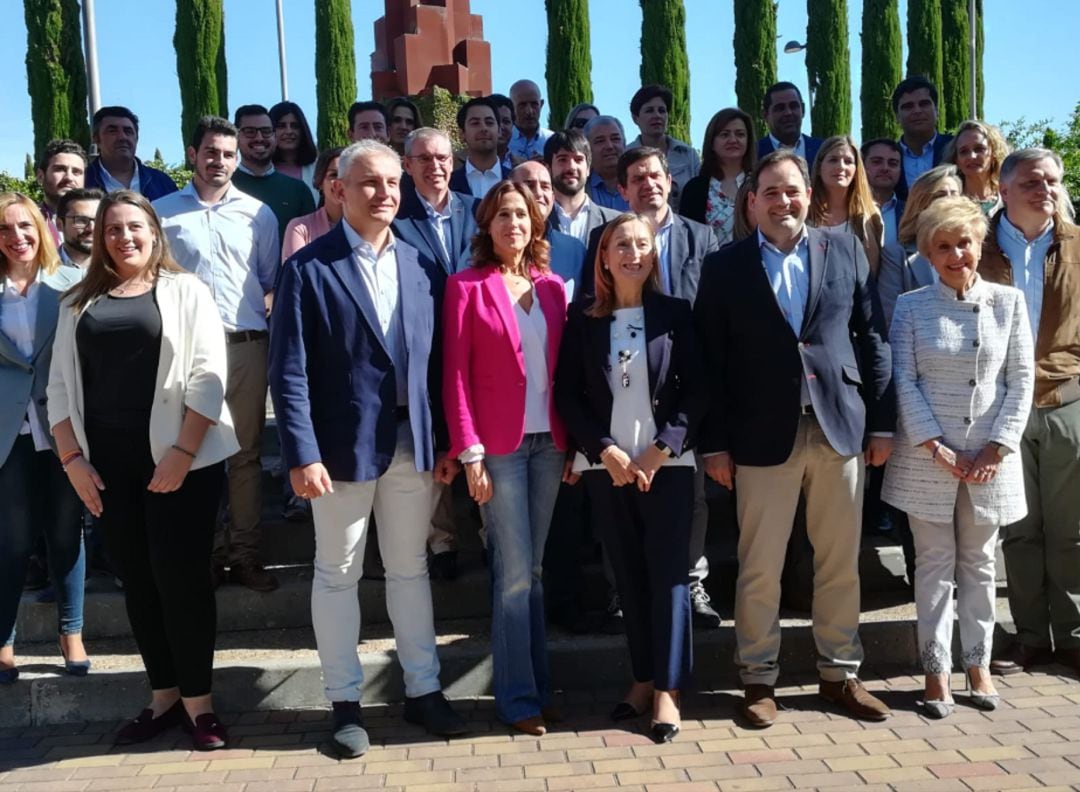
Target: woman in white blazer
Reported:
[(963, 368), (136, 403)]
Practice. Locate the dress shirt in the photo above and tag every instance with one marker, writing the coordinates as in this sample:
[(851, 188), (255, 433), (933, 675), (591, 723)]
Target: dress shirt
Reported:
[(379, 272), (112, 184), (915, 165), (67, 261), (17, 322), (1028, 261), (663, 247), (232, 245), (889, 219), (789, 277), (440, 222), (532, 327), (576, 226), (480, 181), (528, 148), (799, 148), (602, 196)]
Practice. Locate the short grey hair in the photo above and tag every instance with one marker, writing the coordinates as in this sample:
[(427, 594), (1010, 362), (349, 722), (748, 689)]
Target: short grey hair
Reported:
[(1033, 154), (604, 120), (421, 134), (363, 149)]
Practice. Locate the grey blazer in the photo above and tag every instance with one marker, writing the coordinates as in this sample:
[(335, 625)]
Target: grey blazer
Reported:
[(902, 270), (964, 370), (23, 379)]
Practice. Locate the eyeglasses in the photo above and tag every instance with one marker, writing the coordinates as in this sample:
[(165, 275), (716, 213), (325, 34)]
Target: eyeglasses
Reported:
[(579, 123), (252, 132), (80, 222), (428, 159)]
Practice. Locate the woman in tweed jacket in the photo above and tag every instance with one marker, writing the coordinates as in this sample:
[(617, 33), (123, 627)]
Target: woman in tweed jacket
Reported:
[(963, 368)]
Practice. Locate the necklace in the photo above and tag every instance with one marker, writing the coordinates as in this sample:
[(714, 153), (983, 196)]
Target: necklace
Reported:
[(128, 286)]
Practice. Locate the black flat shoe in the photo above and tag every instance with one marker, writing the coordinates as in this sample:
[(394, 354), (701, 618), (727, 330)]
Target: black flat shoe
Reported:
[(663, 732), (624, 711)]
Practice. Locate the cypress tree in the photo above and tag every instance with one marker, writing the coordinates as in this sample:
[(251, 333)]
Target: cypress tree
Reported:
[(827, 62), (664, 60), (335, 70), (56, 71), (882, 67), (924, 42), (755, 55), (200, 61), (956, 67), (569, 61)]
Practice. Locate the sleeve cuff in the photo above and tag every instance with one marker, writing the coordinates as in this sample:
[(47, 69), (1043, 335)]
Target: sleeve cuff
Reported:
[(474, 453)]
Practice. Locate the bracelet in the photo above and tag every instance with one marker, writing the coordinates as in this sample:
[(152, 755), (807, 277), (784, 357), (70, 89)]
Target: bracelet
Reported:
[(183, 450), (70, 457)]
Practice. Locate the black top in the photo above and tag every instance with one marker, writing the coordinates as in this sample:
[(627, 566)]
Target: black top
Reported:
[(119, 342)]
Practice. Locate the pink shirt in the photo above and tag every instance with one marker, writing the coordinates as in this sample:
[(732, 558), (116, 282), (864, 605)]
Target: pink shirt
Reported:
[(302, 231)]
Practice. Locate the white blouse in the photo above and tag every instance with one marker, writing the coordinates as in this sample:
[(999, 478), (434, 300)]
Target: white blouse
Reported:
[(532, 327), (632, 424)]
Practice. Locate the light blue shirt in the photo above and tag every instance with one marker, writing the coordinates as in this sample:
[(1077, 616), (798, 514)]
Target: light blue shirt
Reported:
[(1028, 261), (440, 222), (799, 148), (379, 272), (663, 245), (528, 148), (789, 277), (889, 218), (602, 196), (915, 165), (232, 246)]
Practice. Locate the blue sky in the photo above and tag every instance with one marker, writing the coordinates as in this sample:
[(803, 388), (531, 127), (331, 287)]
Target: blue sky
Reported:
[(1029, 65)]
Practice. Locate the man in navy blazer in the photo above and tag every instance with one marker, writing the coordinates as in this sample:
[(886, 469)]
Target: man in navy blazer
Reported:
[(783, 109), (915, 103), (793, 336), (355, 376)]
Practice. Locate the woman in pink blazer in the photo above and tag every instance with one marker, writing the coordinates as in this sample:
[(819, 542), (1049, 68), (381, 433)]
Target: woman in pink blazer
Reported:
[(503, 320)]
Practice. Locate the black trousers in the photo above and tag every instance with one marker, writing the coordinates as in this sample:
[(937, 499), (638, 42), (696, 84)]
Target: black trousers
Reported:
[(646, 536), (161, 544)]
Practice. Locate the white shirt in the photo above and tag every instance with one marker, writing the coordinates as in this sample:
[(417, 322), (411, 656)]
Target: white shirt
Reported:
[(112, 184), (379, 272), (532, 327), (18, 321), (576, 226), (633, 427), (480, 181)]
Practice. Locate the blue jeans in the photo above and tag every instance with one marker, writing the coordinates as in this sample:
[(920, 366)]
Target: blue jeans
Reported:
[(525, 484), (37, 498)]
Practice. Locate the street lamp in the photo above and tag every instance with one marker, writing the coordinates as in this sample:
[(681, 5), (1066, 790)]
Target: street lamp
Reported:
[(791, 48)]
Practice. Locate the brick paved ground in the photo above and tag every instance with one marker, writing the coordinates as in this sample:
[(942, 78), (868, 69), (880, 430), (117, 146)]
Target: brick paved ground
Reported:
[(1032, 741)]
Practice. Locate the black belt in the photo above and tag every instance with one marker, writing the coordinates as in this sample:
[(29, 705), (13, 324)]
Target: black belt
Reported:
[(401, 413), (243, 336)]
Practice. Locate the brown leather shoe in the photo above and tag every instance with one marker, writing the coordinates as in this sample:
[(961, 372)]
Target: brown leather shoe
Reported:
[(254, 577), (534, 726), (1021, 657), (856, 699), (759, 705)]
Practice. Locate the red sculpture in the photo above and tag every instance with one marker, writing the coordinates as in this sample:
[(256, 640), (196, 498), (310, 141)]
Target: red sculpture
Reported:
[(423, 43)]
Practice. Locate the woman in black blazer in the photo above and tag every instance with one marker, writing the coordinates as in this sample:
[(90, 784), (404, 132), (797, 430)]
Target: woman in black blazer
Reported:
[(628, 388)]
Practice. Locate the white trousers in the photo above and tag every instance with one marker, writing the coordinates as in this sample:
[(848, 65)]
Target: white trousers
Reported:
[(962, 550), (403, 501)]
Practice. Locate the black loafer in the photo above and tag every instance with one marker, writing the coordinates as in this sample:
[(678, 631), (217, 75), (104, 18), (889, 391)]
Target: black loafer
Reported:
[(434, 713)]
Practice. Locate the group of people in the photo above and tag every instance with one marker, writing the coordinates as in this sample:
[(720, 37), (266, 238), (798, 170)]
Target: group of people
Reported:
[(561, 316)]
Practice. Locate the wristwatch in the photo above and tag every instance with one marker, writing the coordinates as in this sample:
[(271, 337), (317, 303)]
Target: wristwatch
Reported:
[(1002, 451), (664, 448)]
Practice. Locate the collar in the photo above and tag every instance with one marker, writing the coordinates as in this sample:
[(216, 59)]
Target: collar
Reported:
[(596, 180), (666, 225), (231, 194), (11, 293), (777, 145), (804, 239), (362, 247), (974, 294), (470, 168), (563, 213), (889, 204), (432, 212), (928, 146), (1014, 234), (517, 134), (245, 169)]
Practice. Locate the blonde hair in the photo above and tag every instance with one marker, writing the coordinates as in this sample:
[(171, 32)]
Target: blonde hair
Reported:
[(860, 200), (920, 196), (995, 141), (604, 302), (950, 214), (46, 258)]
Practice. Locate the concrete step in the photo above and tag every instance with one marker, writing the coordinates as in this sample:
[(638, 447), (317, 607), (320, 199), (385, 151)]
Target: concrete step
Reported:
[(277, 668)]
